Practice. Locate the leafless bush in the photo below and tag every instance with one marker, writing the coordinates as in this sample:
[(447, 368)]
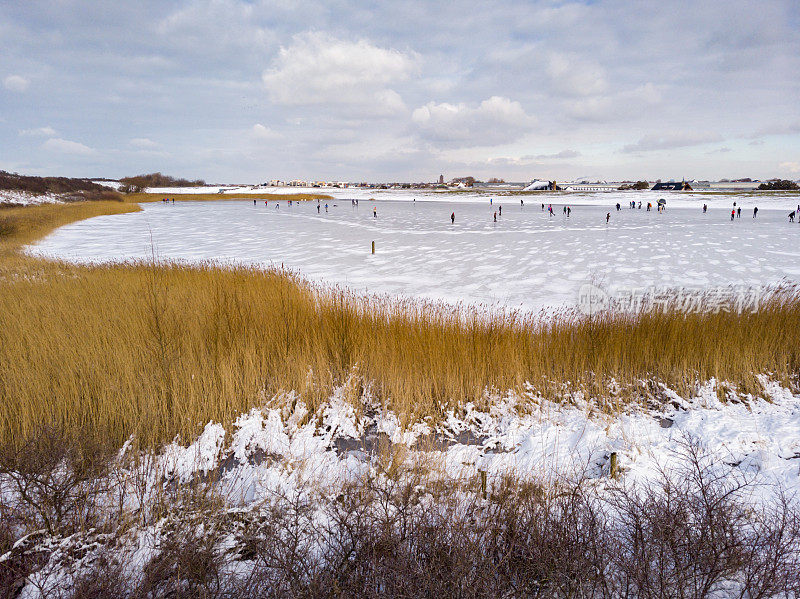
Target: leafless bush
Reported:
[(692, 533), (50, 485), (104, 580), (547, 542), (282, 546), (159, 180), (395, 539), (188, 561), (38, 185), (188, 565), (772, 565), (103, 194), (695, 533), (55, 481)]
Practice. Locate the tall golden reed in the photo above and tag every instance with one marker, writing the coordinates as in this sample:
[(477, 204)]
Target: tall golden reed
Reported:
[(157, 349)]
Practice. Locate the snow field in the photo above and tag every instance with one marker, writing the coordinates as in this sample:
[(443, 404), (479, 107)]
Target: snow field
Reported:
[(279, 454), (26, 198), (525, 260)]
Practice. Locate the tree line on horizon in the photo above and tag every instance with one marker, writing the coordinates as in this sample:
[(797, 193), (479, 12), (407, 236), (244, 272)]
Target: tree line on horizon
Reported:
[(138, 183)]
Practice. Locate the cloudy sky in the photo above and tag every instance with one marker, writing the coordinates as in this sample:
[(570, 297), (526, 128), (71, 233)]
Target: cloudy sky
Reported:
[(244, 91)]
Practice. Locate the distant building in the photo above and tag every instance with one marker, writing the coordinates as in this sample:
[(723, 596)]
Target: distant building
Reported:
[(591, 187), (538, 185), (441, 179), (672, 186)]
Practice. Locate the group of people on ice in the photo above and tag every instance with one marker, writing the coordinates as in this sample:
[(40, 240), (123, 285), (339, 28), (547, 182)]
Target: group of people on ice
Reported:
[(736, 211)]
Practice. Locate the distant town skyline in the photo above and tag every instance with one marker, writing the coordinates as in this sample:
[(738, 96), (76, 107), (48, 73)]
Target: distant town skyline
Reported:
[(239, 90)]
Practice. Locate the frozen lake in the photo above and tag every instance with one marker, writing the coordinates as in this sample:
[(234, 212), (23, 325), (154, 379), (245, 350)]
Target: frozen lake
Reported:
[(527, 259)]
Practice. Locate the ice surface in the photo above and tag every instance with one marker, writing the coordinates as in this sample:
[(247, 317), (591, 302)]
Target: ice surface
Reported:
[(526, 259)]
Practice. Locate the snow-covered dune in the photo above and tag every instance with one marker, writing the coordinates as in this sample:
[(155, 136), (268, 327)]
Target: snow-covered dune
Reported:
[(26, 198)]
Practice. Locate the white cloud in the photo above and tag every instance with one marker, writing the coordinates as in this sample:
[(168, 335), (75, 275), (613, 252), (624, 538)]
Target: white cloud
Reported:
[(16, 83), (786, 128), (264, 133), (576, 76), (562, 155), (504, 161), (618, 105), (670, 141), (647, 93), (65, 146), (582, 68), (532, 159), (143, 143), (319, 69), (792, 167), (39, 132), (494, 121), (233, 25)]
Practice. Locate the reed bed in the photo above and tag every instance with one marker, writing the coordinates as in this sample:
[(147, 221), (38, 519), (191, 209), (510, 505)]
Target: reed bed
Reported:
[(157, 350)]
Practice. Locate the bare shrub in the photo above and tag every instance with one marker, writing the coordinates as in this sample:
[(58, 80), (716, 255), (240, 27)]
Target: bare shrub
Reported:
[(104, 580), (188, 562), (158, 180), (393, 538), (282, 546), (39, 185), (547, 542), (694, 533), (55, 481), (771, 566)]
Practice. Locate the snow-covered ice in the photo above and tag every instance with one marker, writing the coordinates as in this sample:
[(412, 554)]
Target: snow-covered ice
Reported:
[(526, 259)]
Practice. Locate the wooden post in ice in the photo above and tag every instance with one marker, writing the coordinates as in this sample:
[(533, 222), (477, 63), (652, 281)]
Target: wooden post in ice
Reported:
[(483, 483), (614, 468), (373, 247)]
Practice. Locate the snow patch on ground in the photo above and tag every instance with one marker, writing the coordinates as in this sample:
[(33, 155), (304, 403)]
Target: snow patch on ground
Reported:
[(551, 441), (115, 185), (200, 457), (26, 198), (221, 189), (285, 451)]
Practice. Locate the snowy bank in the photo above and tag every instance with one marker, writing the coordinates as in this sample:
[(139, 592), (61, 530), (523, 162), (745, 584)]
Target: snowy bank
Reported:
[(26, 198), (282, 485), (528, 437)]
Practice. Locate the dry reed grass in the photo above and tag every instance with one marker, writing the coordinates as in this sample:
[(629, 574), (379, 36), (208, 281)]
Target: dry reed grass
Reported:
[(155, 350)]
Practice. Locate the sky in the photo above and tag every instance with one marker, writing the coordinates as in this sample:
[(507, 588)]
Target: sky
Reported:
[(238, 91)]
